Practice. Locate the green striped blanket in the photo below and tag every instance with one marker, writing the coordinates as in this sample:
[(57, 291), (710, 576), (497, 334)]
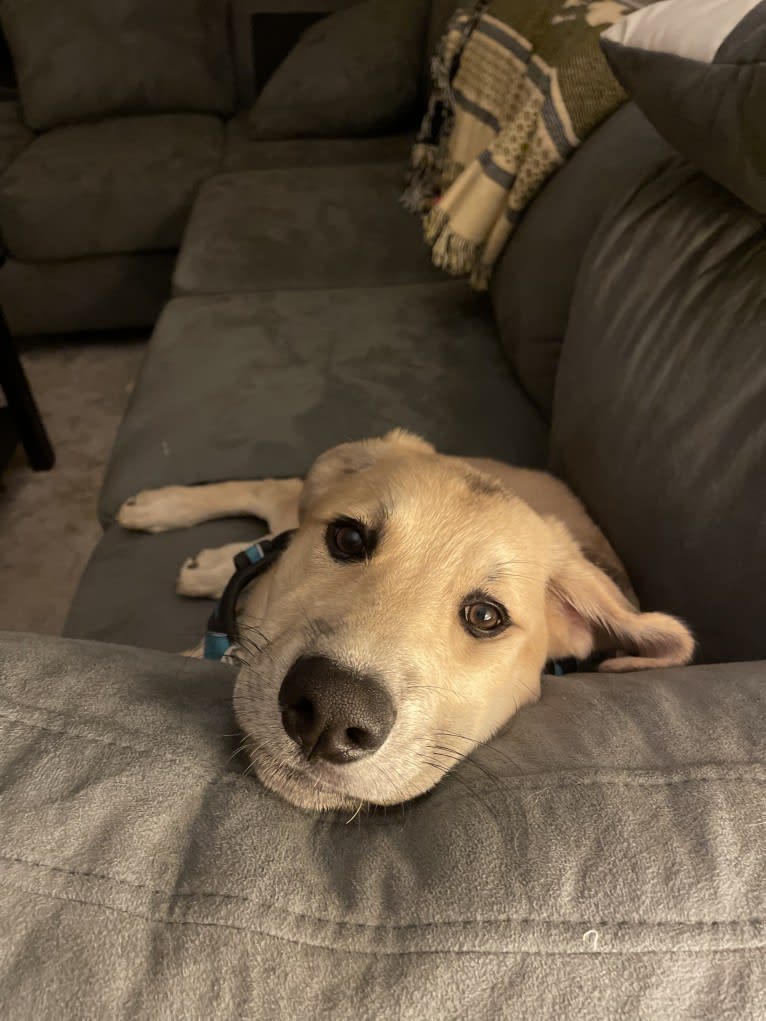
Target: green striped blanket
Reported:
[(517, 86)]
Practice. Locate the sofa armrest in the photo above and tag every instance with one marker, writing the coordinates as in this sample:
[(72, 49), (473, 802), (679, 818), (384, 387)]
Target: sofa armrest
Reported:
[(601, 858)]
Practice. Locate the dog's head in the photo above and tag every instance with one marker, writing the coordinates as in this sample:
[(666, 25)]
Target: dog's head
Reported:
[(409, 618)]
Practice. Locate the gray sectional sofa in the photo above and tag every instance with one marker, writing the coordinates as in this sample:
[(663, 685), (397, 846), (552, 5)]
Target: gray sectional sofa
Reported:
[(604, 856)]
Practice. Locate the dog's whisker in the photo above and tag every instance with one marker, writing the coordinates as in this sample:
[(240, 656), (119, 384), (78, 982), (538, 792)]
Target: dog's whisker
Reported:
[(247, 627), (247, 654), (242, 746), (484, 747), (458, 757), (246, 641), (438, 766), (493, 778), (464, 783), (488, 748), (393, 783), (356, 813)]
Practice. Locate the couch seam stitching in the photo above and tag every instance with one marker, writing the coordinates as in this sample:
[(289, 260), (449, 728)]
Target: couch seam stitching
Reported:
[(435, 923)]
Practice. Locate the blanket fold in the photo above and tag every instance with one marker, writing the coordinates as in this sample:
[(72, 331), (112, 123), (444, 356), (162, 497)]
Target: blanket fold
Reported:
[(517, 86)]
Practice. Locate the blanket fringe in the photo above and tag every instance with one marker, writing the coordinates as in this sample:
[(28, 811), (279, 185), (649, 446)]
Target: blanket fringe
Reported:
[(421, 186), (481, 276), (428, 160), (449, 250)]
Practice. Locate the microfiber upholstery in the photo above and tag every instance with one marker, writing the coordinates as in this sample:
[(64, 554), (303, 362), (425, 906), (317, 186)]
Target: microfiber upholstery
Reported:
[(355, 72), (264, 383), (600, 859), (143, 610), (84, 59), (121, 185), (242, 152), (302, 228), (15, 135), (103, 292), (293, 374), (658, 415)]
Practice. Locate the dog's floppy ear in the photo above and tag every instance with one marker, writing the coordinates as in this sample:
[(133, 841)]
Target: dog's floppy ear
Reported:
[(350, 458), (588, 613)]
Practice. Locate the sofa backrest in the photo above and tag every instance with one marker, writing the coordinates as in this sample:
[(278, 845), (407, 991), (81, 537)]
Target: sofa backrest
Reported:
[(86, 59), (659, 416), (441, 12), (534, 281)]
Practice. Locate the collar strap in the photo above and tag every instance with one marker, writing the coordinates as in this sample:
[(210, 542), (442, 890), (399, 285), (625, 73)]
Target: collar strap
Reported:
[(571, 665), (222, 634)]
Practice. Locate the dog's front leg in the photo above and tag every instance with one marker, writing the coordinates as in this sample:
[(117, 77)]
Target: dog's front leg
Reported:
[(159, 510)]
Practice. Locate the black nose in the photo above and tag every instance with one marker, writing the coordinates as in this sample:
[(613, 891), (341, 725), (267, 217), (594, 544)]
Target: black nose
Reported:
[(333, 713)]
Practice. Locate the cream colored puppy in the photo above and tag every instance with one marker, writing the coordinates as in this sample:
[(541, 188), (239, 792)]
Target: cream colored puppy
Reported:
[(420, 597)]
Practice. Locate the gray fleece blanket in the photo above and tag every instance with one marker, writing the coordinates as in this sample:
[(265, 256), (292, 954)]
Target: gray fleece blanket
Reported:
[(602, 859)]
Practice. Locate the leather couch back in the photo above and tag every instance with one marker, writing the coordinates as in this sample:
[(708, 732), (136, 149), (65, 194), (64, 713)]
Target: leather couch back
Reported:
[(659, 417), (533, 284)]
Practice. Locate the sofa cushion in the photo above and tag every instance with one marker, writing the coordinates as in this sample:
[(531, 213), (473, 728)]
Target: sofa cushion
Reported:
[(534, 280), (243, 152), (264, 383), (355, 72), (699, 75), (301, 228), (599, 859), (15, 135), (143, 609), (123, 185), (103, 292), (659, 412), (84, 59)]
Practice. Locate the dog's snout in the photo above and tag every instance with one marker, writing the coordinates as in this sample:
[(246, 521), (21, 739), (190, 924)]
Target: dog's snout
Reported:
[(333, 713)]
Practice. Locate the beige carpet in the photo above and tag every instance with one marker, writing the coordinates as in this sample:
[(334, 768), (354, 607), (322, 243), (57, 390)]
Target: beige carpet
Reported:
[(48, 523)]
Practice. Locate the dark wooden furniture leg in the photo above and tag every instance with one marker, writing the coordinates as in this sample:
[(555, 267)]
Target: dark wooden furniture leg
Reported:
[(23, 411)]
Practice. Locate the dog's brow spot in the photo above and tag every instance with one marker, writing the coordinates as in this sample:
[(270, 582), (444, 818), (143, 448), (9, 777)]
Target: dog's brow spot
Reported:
[(481, 485)]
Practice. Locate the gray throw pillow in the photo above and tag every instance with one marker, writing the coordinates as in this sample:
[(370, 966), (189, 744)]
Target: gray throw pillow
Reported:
[(697, 69), (85, 59), (355, 72)]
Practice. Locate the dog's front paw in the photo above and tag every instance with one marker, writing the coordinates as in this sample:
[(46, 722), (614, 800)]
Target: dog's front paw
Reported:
[(206, 574), (159, 510)]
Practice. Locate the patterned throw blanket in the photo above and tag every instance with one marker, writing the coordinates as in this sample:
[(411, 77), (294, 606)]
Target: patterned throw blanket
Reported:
[(517, 86)]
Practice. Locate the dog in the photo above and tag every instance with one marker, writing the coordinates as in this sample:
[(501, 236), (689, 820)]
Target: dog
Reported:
[(419, 598)]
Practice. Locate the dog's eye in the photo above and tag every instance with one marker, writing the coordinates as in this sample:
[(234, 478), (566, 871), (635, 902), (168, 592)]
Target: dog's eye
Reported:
[(346, 540), (483, 618)]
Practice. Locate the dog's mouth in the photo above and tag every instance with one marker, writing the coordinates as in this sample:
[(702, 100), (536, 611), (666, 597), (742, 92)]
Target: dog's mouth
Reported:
[(322, 787), (307, 787)]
